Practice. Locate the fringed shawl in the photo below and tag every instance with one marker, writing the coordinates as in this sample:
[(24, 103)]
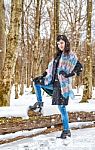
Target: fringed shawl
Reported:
[(67, 64)]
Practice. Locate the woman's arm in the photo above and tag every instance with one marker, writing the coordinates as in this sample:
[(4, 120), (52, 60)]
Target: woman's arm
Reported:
[(77, 70), (46, 77)]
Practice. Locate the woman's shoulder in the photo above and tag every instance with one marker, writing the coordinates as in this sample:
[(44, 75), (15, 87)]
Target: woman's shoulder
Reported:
[(73, 54)]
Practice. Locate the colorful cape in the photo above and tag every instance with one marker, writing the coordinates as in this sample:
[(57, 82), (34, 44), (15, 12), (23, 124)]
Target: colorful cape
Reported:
[(67, 64)]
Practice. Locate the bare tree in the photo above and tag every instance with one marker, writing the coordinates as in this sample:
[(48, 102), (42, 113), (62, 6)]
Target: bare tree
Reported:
[(56, 19), (2, 35), (51, 20), (73, 18), (87, 92), (17, 80), (11, 55), (36, 52), (28, 62), (23, 52)]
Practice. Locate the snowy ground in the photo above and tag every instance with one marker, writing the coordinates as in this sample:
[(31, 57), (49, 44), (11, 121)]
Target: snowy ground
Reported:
[(19, 107), (82, 139)]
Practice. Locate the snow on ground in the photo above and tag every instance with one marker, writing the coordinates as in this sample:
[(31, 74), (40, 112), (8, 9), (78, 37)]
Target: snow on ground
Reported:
[(82, 139), (21, 133), (19, 107)]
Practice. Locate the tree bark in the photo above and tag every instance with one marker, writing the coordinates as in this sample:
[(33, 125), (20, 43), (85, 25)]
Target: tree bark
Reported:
[(17, 80), (87, 92), (56, 19), (36, 52), (11, 55), (2, 35), (23, 57), (28, 55)]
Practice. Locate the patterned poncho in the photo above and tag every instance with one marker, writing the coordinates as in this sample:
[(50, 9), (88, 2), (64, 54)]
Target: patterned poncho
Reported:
[(67, 64)]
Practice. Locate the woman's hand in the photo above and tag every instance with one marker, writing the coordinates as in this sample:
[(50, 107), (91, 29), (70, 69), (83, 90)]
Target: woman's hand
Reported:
[(65, 74)]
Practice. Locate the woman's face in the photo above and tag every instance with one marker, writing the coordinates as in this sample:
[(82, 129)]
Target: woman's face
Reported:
[(61, 45)]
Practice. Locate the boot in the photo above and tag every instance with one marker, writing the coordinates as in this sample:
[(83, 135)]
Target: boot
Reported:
[(36, 106), (65, 134)]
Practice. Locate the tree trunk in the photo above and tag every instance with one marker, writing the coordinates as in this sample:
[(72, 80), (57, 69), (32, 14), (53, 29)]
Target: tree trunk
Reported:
[(28, 55), (23, 58), (51, 41), (36, 52), (16, 79), (11, 56), (87, 92), (2, 35), (22, 75), (56, 19)]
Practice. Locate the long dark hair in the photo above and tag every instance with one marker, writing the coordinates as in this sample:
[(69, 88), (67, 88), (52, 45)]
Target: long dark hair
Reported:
[(67, 46)]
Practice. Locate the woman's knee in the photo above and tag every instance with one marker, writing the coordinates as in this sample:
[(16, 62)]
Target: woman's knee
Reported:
[(62, 108)]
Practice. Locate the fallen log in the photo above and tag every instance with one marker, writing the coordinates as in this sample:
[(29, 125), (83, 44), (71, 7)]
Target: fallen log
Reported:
[(36, 120)]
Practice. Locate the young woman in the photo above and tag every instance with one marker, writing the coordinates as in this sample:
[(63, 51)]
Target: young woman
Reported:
[(57, 81)]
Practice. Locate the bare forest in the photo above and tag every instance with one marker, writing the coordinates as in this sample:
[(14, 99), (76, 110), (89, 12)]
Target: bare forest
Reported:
[(28, 30)]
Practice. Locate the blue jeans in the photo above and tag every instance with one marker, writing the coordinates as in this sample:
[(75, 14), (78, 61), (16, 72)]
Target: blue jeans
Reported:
[(62, 108)]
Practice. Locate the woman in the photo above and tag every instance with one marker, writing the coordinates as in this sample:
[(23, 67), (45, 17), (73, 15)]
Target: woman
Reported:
[(57, 81)]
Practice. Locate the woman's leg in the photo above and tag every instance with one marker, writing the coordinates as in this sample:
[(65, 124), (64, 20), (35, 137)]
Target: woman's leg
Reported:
[(64, 116), (37, 88), (65, 122)]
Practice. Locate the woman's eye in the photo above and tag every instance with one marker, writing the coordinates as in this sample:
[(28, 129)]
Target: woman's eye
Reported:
[(60, 43)]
